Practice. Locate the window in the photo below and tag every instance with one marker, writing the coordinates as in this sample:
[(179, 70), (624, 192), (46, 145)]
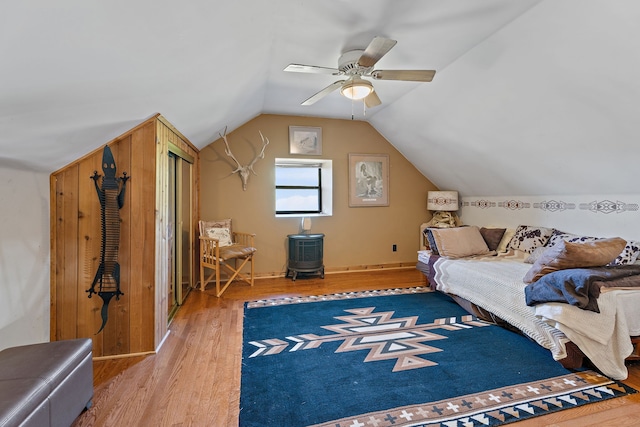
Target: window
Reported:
[(303, 187), (298, 189)]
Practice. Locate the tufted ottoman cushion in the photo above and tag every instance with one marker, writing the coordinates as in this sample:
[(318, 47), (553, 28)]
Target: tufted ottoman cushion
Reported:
[(54, 378)]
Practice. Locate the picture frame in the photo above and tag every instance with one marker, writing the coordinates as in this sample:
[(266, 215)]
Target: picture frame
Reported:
[(305, 140), (368, 180)]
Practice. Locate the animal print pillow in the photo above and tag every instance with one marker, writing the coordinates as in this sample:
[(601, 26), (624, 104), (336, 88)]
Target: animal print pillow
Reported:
[(527, 238), (537, 253), (558, 235), (629, 254)]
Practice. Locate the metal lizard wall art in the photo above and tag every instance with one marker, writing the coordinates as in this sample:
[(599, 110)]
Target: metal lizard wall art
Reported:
[(111, 194)]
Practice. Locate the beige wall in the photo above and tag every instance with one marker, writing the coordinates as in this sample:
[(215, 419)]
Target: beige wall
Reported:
[(355, 238)]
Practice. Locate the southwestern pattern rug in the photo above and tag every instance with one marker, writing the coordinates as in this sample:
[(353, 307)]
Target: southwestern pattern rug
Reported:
[(400, 357)]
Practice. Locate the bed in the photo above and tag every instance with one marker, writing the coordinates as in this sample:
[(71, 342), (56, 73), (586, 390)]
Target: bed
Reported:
[(488, 279)]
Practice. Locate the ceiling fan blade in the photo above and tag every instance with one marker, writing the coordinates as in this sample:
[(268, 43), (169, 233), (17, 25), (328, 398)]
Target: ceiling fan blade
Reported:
[(408, 75), (299, 68), (372, 100), (378, 47), (324, 92)]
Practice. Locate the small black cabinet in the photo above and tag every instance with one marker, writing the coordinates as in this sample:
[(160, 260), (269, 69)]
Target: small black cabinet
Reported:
[(305, 254)]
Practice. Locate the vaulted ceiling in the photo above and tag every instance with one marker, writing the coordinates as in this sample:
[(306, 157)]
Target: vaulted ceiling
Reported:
[(530, 97)]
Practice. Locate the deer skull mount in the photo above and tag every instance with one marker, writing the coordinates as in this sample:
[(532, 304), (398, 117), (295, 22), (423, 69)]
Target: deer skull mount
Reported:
[(244, 171)]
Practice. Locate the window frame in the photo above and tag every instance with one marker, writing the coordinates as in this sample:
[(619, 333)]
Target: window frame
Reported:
[(325, 186)]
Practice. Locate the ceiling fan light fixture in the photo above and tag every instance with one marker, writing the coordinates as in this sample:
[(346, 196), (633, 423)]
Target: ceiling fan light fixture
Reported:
[(356, 89)]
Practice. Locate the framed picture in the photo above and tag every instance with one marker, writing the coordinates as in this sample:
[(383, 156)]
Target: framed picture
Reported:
[(368, 180), (305, 140)]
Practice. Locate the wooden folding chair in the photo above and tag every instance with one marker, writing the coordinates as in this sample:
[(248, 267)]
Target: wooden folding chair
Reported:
[(222, 249)]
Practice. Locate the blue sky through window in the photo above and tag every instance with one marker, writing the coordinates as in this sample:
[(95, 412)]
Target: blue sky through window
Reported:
[(295, 199)]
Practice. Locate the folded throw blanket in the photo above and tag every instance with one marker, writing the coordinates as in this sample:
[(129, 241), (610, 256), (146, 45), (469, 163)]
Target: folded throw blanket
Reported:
[(579, 287)]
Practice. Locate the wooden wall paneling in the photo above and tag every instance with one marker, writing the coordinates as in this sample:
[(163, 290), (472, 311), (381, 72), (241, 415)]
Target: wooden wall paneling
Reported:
[(53, 251), (136, 189), (67, 295), (88, 254), (194, 222), (138, 321), (173, 136), (167, 132), (150, 288), (57, 253), (64, 228), (162, 229), (196, 215), (116, 334), (143, 156)]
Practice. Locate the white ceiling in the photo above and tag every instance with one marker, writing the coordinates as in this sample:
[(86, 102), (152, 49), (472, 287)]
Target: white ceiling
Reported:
[(530, 97)]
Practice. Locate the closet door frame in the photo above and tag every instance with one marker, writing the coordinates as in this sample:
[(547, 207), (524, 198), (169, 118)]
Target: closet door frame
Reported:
[(182, 232)]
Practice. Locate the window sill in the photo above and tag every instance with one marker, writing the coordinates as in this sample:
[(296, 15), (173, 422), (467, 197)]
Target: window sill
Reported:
[(297, 215)]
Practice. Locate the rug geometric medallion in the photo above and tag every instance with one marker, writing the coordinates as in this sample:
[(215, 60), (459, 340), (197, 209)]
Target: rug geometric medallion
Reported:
[(399, 357)]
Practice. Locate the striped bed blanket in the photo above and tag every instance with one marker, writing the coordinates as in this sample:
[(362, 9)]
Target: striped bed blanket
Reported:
[(495, 284)]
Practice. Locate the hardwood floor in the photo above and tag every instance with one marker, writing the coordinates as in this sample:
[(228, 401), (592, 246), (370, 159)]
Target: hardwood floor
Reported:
[(194, 379)]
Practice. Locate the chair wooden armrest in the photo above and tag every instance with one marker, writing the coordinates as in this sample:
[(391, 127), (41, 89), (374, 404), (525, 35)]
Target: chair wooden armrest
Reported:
[(209, 249), (244, 239)]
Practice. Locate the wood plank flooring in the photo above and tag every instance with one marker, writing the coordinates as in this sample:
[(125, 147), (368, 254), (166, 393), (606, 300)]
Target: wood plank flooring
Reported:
[(194, 379)]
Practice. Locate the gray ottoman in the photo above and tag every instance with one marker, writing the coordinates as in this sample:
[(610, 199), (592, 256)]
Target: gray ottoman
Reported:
[(47, 384)]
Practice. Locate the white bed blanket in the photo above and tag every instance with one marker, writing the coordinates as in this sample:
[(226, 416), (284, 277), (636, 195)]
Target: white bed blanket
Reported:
[(495, 284), (604, 336)]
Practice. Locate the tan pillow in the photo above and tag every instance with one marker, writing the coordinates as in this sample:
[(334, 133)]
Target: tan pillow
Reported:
[(565, 255), (460, 242), (503, 246)]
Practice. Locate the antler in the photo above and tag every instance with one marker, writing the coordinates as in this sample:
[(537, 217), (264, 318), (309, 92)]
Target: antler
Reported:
[(265, 142), (228, 150), (244, 171)]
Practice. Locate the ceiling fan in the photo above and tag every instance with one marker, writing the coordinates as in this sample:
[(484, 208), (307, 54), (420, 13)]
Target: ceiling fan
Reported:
[(356, 64)]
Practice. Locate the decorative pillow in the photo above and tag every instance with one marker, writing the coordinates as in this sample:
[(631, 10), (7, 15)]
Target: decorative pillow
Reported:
[(503, 246), (537, 253), (223, 234), (432, 242), (558, 235), (527, 238), (459, 242), (221, 223), (492, 236), (565, 255), (629, 254)]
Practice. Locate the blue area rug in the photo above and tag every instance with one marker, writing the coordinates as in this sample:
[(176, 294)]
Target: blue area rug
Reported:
[(401, 357)]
